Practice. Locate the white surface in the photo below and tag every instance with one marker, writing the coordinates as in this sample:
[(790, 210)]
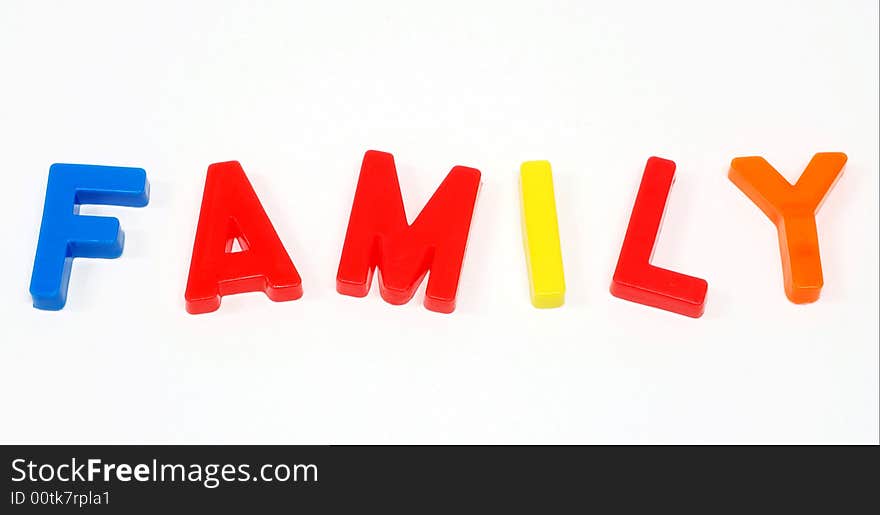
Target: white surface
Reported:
[(297, 91)]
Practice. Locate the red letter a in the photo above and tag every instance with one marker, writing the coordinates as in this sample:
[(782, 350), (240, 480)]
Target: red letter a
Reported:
[(379, 236), (231, 212)]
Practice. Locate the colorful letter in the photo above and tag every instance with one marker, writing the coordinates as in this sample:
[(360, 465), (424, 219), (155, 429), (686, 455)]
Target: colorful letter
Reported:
[(231, 212), (65, 235), (635, 279), (378, 236), (541, 235), (793, 210)]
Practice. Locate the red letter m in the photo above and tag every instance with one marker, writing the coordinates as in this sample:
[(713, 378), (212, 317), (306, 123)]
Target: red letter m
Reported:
[(379, 237)]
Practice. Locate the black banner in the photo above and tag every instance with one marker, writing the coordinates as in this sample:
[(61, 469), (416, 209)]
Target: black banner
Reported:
[(413, 479)]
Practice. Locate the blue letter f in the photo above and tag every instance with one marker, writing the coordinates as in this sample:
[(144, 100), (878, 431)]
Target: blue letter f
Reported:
[(65, 235)]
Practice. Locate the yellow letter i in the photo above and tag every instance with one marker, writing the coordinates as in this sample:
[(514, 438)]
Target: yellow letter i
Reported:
[(541, 235)]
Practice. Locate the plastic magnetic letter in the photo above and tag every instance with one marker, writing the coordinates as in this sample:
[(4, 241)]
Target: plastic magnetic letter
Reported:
[(541, 235), (792, 208), (635, 278), (231, 213), (378, 236), (65, 235)]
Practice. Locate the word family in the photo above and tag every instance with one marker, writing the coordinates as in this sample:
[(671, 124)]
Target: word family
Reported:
[(237, 250)]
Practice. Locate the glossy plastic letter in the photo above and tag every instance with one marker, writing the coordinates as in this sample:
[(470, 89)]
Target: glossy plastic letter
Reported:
[(378, 236), (792, 208), (541, 235), (635, 278), (231, 213), (65, 235)]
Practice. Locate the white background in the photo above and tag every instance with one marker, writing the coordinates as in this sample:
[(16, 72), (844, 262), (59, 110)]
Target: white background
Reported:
[(297, 91)]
